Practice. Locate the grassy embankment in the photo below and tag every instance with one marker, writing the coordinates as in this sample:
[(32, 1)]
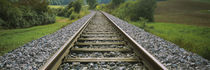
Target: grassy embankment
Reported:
[(192, 38), (11, 39), (171, 18)]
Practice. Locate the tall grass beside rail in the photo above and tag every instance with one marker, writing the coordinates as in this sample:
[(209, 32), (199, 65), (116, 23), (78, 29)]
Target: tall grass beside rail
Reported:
[(192, 38)]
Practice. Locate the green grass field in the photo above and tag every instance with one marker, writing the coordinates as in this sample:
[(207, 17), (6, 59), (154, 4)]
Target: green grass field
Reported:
[(13, 38), (192, 38)]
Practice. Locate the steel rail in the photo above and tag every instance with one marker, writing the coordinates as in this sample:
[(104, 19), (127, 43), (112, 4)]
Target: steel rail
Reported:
[(55, 60), (149, 60)]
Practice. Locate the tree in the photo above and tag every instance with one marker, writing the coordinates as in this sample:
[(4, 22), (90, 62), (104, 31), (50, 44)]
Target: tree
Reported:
[(104, 1), (146, 9), (25, 13), (37, 5), (117, 2), (92, 4), (73, 7), (77, 6), (59, 2), (132, 10)]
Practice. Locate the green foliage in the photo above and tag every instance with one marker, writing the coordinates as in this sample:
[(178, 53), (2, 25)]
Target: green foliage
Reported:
[(103, 1), (143, 21), (74, 15), (56, 6), (100, 7), (68, 10), (192, 38), (59, 11), (76, 5), (48, 18), (2, 22), (59, 2), (38, 5), (161, 0), (92, 4), (116, 3), (25, 13), (82, 13), (132, 10), (14, 38)]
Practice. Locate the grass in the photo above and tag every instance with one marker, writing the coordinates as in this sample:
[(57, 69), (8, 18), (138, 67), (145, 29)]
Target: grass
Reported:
[(13, 38), (192, 38), (205, 11), (183, 12)]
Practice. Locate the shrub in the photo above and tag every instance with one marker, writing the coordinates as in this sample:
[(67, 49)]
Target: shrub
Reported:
[(74, 15), (2, 22), (92, 4), (132, 10), (116, 3), (23, 13), (47, 18), (67, 11), (100, 7), (143, 22), (77, 6)]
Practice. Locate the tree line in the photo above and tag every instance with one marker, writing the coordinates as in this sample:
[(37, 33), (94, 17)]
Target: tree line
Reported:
[(25, 13), (72, 10), (59, 2)]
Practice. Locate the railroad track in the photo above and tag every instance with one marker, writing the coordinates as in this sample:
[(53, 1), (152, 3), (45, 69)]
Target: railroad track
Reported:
[(99, 45)]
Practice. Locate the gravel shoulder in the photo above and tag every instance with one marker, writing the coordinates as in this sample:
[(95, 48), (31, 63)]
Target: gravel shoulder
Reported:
[(34, 54), (166, 52)]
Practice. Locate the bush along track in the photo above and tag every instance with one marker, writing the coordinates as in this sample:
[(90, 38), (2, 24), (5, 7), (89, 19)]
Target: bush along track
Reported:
[(21, 14)]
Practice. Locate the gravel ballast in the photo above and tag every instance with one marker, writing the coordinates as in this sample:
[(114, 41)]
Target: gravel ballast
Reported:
[(102, 66), (166, 52), (34, 54), (99, 58)]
